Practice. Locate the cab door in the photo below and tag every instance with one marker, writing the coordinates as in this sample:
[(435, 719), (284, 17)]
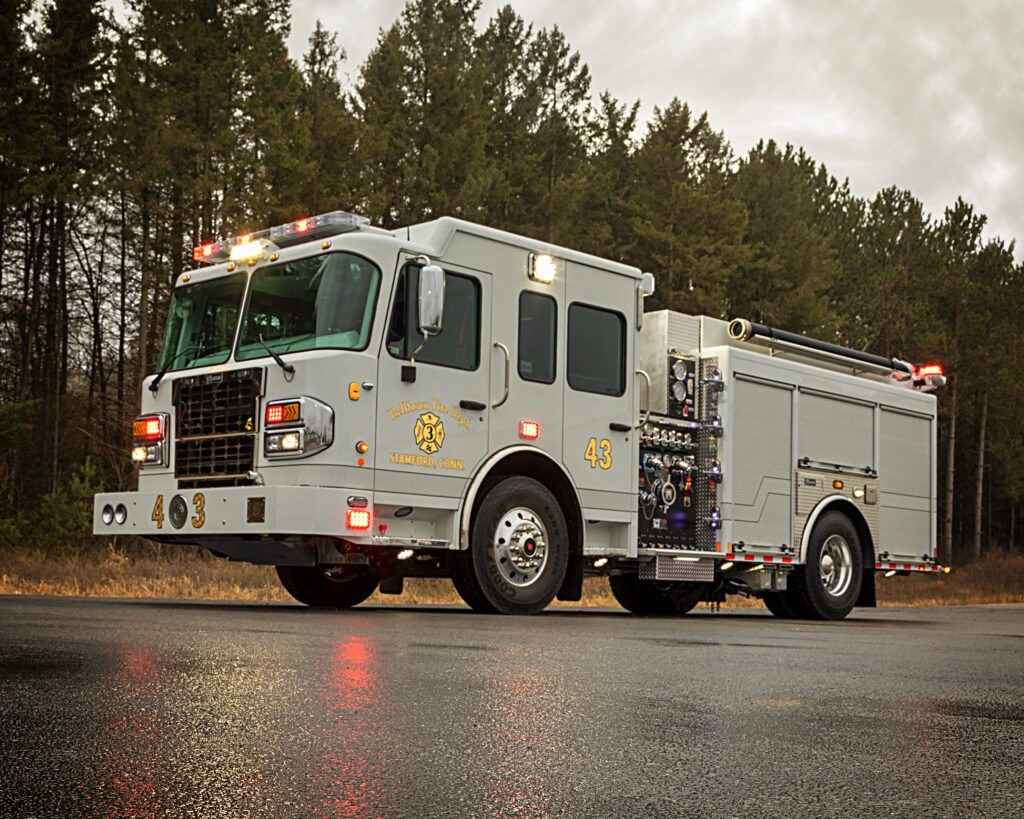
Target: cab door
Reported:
[(432, 427), (599, 400)]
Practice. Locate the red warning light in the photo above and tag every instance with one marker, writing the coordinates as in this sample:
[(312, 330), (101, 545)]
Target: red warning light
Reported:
[(358, 519), (205, 251), (147, 428), (302, 226), (529, 430), (929, 369)]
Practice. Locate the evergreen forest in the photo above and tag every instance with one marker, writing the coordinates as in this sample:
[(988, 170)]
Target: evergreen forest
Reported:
[(127, 139)]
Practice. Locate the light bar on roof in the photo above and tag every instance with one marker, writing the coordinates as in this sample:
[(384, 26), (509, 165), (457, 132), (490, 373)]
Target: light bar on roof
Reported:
[(291, 233)]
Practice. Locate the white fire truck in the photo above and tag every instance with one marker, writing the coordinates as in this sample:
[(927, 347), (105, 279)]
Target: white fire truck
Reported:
[(355, 406)]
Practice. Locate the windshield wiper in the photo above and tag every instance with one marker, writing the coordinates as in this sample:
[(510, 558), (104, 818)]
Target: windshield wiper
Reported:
[(156, 381), (288, 368)]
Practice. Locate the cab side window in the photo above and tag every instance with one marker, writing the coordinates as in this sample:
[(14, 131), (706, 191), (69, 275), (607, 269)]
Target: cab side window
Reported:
[(537, 324), (458, 343), (596, 353)]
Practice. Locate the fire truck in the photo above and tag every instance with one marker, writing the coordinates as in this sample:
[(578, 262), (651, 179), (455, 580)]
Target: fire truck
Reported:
[(355, 406)]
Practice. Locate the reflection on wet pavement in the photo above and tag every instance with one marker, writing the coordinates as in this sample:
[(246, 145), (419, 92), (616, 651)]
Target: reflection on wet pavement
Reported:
[(122, 710)]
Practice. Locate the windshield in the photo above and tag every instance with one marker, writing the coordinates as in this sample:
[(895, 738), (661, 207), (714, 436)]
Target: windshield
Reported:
[(201, 323), (320, 301)]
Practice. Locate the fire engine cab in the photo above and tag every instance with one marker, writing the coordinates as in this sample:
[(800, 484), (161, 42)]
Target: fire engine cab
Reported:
[(356, 405)]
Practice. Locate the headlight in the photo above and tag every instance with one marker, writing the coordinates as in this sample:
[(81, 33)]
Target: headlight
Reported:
[(107, 514), (296, 427), (120, 513)]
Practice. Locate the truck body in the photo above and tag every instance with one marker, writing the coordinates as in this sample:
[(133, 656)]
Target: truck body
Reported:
[(356, 406)]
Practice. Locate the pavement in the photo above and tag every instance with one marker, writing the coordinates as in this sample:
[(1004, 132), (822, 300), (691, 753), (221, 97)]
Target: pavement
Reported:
[(175, 708)]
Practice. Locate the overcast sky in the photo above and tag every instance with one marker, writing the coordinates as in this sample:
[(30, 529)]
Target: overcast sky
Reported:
[(925, 95)]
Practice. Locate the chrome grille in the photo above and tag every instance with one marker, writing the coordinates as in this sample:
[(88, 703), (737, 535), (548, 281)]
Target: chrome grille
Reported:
[(215, 427)]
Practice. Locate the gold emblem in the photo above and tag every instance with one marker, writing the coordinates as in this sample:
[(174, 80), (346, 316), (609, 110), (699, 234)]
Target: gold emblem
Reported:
[(429, 432)]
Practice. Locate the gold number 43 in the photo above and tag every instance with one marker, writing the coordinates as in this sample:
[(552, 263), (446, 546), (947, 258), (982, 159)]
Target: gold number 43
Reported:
[(596, 459)]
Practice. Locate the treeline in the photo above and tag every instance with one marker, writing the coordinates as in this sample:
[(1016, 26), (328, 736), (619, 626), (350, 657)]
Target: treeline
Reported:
[(125, 142)]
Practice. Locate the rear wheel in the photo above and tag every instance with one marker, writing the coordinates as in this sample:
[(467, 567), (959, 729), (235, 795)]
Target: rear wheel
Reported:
[(655, 596), (325, 588), (519, 550), (827, 586)]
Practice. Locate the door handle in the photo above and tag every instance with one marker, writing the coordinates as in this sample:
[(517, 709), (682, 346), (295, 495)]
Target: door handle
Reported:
[(472, 406), (645, 413), (508, 359), (615, 426)]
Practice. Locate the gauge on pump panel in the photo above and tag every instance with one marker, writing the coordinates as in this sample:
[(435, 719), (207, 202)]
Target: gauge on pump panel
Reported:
[(679, 370), (679, 391)]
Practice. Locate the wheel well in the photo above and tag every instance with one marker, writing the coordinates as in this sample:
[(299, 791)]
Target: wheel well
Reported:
[(867, 547), (542, 469)]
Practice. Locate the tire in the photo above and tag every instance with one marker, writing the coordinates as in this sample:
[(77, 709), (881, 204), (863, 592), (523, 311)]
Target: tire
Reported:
[(519, 550), (781, 605), (651, 597), (826, 587), (313, 586)]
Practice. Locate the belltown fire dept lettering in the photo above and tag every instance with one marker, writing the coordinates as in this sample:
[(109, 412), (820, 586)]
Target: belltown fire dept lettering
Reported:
[(429, 433)]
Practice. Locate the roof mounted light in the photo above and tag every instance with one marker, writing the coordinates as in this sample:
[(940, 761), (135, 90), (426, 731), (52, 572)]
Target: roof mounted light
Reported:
[(543, 268), (291, 233), (928, 377)]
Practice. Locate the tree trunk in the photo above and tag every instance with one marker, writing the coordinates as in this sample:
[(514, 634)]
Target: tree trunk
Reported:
[(144, 293), (980, 477), (947, 522)]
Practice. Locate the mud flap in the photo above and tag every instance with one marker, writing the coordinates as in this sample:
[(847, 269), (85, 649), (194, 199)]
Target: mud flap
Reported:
[(572, 586)]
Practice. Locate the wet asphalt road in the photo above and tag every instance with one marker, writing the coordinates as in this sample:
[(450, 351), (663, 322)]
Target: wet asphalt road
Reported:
[(140, 708)]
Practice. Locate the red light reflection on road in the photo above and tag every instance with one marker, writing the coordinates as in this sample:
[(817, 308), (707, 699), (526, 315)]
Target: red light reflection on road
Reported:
[(353, 773), (128, 783)]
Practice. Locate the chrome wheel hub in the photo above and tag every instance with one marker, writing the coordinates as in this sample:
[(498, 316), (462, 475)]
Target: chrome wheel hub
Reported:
[(835, 565), (520, 546)]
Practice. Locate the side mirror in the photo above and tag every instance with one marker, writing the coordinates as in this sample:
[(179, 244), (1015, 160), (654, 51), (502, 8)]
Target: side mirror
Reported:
[(431, 303)]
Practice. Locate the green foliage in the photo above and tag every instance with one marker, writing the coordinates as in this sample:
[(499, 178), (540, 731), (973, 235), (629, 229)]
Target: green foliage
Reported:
[(63, 519)]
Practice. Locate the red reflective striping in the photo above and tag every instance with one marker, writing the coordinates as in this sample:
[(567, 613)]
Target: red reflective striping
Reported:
[(748, 557), (878, 565), (768, 559), (787, 560), (729, 556)]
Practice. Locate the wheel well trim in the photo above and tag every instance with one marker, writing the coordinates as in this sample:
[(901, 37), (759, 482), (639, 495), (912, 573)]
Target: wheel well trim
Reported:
[(469, 500), (826, 504)]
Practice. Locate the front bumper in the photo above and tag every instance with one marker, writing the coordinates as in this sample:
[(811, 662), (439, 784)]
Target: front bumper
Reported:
[(195, 515)]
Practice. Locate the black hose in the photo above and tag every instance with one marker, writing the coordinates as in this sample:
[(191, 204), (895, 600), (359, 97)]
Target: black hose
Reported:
[(743, 330)]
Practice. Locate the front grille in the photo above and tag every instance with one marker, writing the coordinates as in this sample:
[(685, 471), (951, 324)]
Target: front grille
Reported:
[(215, 427)]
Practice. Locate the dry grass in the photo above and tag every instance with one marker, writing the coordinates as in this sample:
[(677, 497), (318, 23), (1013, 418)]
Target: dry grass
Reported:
[(189, 573)]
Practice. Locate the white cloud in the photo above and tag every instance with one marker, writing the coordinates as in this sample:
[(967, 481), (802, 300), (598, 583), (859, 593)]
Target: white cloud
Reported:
[(922, 94)]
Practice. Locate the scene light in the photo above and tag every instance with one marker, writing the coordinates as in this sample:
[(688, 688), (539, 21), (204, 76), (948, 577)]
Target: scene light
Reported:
[(543, 268)]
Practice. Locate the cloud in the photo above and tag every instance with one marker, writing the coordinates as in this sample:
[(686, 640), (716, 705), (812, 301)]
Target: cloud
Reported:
[(921, 95)]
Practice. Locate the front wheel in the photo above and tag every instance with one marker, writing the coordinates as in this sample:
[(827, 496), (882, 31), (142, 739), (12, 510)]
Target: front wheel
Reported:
[(519, 550), (827, 586), (670, 599), (322, 587)]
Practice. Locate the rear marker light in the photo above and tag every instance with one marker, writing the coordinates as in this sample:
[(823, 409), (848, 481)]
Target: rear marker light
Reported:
[(358, 519), (529, 430)]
